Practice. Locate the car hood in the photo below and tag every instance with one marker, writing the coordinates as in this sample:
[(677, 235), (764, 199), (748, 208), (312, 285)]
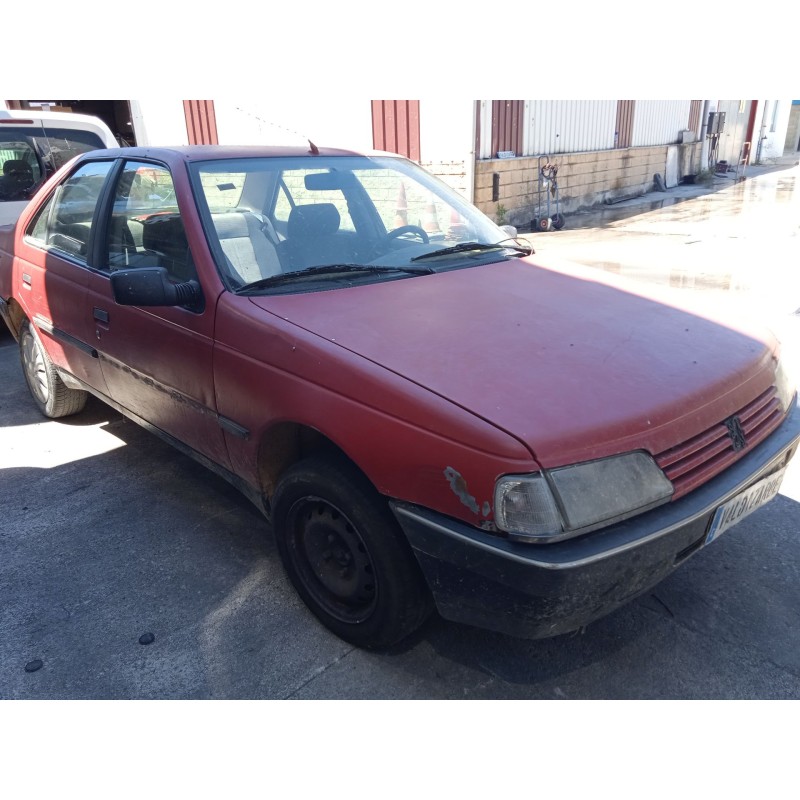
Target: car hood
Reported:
[(573, 362)]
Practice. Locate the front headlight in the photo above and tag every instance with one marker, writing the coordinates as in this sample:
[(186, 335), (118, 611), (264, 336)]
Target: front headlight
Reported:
[(785, 385), (563, 502)]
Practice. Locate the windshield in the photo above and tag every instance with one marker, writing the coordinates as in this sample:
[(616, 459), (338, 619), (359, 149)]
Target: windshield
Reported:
[(317, 222), (30, 154)]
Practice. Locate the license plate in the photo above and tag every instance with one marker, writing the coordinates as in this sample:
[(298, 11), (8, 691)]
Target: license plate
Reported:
[(735, 510)]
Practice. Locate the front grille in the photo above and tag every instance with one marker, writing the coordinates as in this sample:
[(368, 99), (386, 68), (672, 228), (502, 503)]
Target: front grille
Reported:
[(699, 459)]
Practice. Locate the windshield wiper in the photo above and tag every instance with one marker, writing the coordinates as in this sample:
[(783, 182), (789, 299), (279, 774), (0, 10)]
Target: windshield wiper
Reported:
[(329, 269), (465, 247)]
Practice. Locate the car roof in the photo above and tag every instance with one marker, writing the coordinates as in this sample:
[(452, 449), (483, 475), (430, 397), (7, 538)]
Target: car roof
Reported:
[(204, 152)]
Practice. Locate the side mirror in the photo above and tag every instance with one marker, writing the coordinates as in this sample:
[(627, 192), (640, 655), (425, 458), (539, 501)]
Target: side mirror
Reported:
[(510, 230), (151, 286)]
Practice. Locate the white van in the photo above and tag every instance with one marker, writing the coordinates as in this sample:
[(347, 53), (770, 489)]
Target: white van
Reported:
[(34, 144)]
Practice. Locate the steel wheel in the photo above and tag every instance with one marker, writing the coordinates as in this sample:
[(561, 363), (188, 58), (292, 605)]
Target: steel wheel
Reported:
[(346, 555), (332, 559)]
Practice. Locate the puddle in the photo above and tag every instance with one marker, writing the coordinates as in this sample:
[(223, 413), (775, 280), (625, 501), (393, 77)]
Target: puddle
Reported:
[(727, 197), (739, 241)]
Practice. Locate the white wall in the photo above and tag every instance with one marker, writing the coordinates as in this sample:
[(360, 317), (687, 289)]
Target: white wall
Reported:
[(159, 123), (568, 126), (334, 121), (658, 122), (446, 129), (772, 122), (447, 141), (737, 116)]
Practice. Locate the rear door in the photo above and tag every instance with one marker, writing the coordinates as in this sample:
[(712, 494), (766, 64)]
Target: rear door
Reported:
[(52, 274)]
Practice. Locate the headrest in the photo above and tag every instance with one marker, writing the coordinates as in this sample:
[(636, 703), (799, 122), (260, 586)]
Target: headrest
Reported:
[(319, 219), (165, 234), (18, 166), (231, 225)]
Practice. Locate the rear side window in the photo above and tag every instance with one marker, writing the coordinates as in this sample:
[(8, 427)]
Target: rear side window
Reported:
[(65, 222)]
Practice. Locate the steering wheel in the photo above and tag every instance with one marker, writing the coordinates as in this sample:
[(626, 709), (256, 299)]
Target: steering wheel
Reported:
[(415, 229)]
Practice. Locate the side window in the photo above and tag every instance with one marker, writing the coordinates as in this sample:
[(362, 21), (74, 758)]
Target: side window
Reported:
[(146, 229), (65, 222)]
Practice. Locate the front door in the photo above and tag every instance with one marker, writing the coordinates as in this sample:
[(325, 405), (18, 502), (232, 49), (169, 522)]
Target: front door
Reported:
[(157, 362)]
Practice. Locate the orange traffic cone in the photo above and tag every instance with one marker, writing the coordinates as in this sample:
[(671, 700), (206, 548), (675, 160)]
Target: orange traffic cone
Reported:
[(429, 221), (401, 212), (457, 226)]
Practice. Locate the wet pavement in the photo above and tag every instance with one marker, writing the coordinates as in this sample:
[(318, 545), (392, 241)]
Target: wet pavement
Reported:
[(733, 242), (129, 571)]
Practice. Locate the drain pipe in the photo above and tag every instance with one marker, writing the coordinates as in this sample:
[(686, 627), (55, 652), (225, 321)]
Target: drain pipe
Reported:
[(472, 155), (762, 134), (703, 132)]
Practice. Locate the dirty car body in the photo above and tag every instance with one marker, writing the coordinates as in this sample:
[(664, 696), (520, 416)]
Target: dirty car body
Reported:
[(427, 414)]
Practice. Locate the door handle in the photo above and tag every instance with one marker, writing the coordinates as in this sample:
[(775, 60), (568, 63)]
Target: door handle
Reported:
[(101, 315)]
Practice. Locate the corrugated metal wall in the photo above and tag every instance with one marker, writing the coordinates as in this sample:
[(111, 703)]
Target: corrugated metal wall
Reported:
[(623, 133), (507, 126), (576, 126), (659, 121), (201, 122), (694, 116), (483, 133), (568, 126), (395, 127)]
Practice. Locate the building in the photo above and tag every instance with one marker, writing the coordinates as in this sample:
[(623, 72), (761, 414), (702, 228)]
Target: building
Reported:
[(492, 151)]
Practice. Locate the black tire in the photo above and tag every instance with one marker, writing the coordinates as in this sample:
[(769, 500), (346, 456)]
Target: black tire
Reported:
[(558, 221), (53, 398), (346, 555)]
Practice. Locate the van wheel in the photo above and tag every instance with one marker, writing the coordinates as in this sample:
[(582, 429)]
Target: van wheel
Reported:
[(50, 393), (346, 554)]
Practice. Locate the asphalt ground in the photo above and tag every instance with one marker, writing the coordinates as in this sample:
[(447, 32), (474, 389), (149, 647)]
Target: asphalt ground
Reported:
[(127, 571)]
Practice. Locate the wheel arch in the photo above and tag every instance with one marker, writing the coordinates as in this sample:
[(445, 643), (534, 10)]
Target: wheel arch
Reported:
[(16, 316), (284, 444)]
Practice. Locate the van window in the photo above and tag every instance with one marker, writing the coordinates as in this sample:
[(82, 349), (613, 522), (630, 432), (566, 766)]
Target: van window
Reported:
[(29, 155), (62, 144), (20, 169)]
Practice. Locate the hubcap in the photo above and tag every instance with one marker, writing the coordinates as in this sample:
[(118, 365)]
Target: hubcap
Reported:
[(35, 368), (332, 560)]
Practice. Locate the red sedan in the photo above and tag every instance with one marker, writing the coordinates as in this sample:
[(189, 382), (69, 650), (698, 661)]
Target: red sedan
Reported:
[(428, 417)]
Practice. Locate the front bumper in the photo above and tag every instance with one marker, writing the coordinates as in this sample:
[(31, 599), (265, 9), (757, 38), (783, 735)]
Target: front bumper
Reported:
[(536, 591)]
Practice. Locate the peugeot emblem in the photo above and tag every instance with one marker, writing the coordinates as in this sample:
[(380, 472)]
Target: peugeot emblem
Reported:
[(736, 432)]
